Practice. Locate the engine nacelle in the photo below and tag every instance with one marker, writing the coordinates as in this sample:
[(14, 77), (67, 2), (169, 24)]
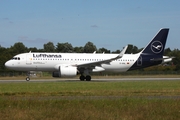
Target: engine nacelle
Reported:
[(65, 71)]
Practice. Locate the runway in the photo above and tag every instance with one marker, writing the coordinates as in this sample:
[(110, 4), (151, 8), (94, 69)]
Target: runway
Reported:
[(93, 80)]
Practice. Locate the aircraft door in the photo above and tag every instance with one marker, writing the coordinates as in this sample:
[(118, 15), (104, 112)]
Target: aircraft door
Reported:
[(28, 59)]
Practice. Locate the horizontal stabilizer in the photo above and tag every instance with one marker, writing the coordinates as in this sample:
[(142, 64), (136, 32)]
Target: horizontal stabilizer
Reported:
[(165, 59)]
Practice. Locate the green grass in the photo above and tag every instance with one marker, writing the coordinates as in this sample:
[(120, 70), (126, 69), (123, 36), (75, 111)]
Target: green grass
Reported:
[(90, 109), (124, 100), (77, 88)]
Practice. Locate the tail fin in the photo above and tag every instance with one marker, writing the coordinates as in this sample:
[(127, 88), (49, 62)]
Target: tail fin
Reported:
[(157, 44)]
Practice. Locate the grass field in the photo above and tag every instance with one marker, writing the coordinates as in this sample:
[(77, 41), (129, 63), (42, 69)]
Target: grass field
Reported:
[(126, 100)]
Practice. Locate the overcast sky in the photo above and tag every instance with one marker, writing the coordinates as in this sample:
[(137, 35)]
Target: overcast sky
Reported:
[(107, 23)]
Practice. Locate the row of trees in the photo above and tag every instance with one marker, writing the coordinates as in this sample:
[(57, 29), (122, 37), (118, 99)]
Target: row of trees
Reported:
[(89, 47)]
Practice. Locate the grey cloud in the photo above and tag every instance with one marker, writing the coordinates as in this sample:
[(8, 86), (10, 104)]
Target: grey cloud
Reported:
[(37, 40), (6, 18), (94, 26), (23, 38)]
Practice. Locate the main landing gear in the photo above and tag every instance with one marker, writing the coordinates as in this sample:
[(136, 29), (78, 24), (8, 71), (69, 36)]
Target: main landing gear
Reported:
[(83, 78)]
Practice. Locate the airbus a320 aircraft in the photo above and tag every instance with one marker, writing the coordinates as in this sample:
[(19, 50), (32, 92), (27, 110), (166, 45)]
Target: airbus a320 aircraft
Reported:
[(69, 64)]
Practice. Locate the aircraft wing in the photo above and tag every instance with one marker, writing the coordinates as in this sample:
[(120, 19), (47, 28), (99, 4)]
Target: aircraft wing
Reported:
[(98, 63)]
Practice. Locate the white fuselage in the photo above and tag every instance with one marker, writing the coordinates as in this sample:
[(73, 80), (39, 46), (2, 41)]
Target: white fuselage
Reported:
[(50, 61)]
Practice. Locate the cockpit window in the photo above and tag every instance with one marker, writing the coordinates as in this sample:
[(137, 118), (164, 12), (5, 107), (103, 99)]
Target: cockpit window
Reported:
[(15, 58)]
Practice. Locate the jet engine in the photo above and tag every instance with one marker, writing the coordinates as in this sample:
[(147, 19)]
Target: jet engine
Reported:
[(65, 71)]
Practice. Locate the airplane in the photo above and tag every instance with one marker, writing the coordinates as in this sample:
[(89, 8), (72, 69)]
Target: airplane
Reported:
[(71, 64)]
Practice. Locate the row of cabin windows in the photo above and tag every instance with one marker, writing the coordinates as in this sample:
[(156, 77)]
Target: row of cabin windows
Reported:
[(86, 59)]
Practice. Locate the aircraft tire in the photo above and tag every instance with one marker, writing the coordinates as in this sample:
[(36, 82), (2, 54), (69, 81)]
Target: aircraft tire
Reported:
[(28, 79), (88, 78), (82, 78)]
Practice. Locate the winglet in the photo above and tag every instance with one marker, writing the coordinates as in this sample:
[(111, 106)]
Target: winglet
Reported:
[(122, 52)]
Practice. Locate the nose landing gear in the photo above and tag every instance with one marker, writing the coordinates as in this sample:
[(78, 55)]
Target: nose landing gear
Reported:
[(28, 76)]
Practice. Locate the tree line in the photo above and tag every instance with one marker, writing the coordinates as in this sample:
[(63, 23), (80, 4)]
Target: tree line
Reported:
[(89, 47)]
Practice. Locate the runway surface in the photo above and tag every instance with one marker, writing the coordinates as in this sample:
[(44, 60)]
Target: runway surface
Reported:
[(93, 80)]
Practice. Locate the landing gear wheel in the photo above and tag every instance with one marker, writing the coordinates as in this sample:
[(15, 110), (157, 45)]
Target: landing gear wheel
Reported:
[(88, 78), (28, 79), (82, 77)]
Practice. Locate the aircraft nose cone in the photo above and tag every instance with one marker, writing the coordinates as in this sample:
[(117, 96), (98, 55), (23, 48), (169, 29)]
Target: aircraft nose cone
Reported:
[(7, 64)]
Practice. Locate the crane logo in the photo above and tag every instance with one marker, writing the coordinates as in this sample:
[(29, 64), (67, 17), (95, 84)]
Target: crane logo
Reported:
[(156, 47)]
